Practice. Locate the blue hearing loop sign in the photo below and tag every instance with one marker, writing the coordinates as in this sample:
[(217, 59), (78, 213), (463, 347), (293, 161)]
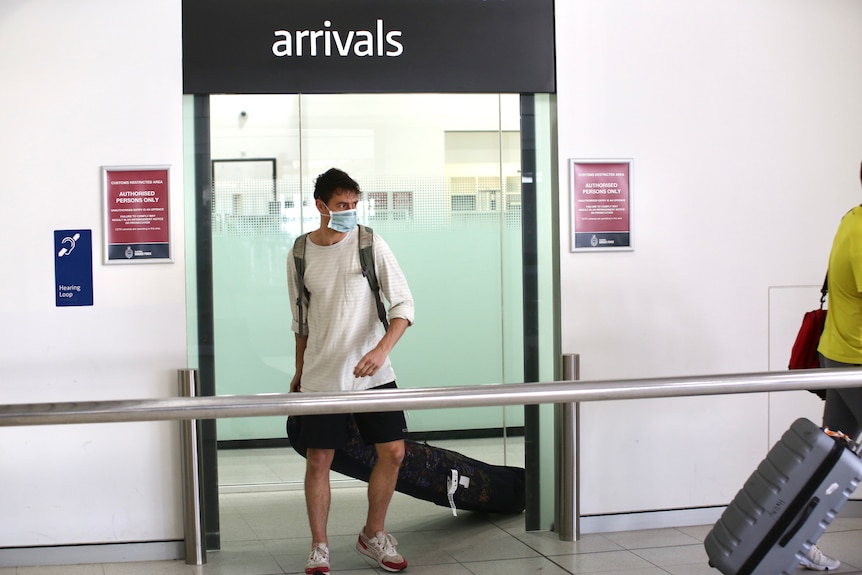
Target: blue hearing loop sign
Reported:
[(73, 267)]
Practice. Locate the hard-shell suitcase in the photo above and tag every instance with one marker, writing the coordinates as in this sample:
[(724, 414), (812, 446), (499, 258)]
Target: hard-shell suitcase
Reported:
[(786, 504), (434, 474)]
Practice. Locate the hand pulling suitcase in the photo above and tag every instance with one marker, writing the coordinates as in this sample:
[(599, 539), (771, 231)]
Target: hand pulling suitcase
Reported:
[(433, 474), (786, 504)]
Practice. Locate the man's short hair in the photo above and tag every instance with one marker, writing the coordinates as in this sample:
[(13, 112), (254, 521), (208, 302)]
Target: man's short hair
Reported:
[(331, 180)]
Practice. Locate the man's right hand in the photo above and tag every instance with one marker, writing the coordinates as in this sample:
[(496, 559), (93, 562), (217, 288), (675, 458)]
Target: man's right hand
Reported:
[(295, 384)]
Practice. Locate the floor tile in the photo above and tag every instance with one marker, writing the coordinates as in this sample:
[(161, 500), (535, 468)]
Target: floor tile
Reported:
[(61, 570), (651, 538), (233, 527), (448, 569), (667, 556), (639, 571), (160, 567), (700, 569), (601, 562), (698, 532), (485, 542), (516, 567), (548, 543), (845, 524), (242, 558)]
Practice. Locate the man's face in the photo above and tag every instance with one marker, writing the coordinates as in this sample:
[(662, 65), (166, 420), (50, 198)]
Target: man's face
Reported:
[(342, 200)]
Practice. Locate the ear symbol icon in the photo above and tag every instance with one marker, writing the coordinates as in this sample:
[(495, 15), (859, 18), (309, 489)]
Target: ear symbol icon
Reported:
[(71, 241)]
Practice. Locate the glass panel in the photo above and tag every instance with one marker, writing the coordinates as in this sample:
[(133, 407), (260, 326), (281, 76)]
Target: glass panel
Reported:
[(253, 139), (441, 183)]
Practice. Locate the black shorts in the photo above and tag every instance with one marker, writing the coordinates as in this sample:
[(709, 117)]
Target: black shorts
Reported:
[(329, 431)]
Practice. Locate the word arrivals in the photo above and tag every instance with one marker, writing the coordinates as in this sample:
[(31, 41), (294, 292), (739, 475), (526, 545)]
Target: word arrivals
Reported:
[(358, 42)]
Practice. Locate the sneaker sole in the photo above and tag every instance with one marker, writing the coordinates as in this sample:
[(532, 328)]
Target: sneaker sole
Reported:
[(813, 567)]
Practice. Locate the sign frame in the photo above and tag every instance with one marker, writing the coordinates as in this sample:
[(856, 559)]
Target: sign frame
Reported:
[(600, 210), (136, 214)]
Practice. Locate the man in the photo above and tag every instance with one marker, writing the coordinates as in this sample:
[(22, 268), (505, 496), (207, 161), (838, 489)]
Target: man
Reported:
[(841, 342), (341, 345)]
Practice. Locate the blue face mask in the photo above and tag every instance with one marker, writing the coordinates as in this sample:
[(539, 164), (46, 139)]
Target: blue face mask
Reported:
[(342, 221)]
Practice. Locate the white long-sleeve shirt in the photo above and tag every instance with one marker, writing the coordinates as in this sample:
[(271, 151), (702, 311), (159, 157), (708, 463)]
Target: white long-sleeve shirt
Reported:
[(342, 313)]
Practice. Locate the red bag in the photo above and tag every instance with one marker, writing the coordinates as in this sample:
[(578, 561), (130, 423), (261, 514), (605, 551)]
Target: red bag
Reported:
[(804, 353)]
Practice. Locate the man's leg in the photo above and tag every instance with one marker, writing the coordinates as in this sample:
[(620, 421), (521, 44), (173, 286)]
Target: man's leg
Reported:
[(317, 491), (374, 541), (381, 484)]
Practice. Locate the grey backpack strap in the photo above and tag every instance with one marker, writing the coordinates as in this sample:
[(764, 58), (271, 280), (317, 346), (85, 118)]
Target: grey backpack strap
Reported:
[(366, 261), (301, 292)]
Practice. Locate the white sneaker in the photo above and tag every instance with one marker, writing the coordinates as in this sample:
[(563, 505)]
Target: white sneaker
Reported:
[(817, 561), (318, 560), (381, 548)]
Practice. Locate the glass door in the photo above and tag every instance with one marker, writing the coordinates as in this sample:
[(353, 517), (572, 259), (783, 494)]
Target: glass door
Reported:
[(441, 182)]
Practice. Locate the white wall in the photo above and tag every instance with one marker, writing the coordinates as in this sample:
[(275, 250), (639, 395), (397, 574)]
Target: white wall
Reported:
[(743, 121), (87, 84)]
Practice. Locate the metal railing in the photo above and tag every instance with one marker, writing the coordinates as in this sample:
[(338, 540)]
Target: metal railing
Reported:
[(192, 474), (226, 406), (567, 513), (565, 393)]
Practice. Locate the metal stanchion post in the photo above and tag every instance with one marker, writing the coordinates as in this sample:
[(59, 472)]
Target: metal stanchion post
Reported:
[(567, 512), (190, 449)]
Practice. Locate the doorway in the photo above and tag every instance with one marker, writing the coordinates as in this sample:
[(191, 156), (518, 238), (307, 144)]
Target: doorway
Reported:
[(441, 181), (440, 175)]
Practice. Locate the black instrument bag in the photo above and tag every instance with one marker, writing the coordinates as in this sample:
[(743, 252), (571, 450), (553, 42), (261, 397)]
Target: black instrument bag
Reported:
[(433, 474)]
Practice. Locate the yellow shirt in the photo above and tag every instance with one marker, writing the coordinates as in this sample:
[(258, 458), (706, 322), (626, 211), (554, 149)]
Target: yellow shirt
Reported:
[(842, 334)]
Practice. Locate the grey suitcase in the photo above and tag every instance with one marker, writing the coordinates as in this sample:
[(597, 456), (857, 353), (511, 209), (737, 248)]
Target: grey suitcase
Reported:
[(786, 504)]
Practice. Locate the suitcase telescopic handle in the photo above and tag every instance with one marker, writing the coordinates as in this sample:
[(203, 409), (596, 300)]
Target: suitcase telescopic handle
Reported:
[(803, 517)]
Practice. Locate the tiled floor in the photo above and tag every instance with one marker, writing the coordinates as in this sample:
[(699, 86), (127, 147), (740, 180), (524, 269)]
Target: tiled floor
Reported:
[(264, 532)]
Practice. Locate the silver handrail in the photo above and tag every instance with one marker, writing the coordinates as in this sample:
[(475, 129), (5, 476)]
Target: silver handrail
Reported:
[(226, 406)]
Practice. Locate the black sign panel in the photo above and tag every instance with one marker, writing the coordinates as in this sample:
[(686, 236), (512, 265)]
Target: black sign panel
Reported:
[(368, 46)]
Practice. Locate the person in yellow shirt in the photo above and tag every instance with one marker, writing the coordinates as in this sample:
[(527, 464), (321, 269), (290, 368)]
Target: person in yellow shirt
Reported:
[(841, 342)]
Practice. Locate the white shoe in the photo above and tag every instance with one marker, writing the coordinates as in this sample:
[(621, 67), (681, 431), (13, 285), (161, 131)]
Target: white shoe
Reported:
[(381, 548), (318, 560), (817, 561)]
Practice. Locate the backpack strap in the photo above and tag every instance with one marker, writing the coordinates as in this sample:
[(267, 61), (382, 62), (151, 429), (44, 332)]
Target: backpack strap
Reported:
[(301, 292), (366, 261)]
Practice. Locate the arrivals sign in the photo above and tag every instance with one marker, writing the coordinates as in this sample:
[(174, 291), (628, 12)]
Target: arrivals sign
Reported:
[(368, 46), (136, 214), (600, 204)]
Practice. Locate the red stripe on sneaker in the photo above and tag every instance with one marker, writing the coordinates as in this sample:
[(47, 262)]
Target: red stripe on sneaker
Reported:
[(396, 566)]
